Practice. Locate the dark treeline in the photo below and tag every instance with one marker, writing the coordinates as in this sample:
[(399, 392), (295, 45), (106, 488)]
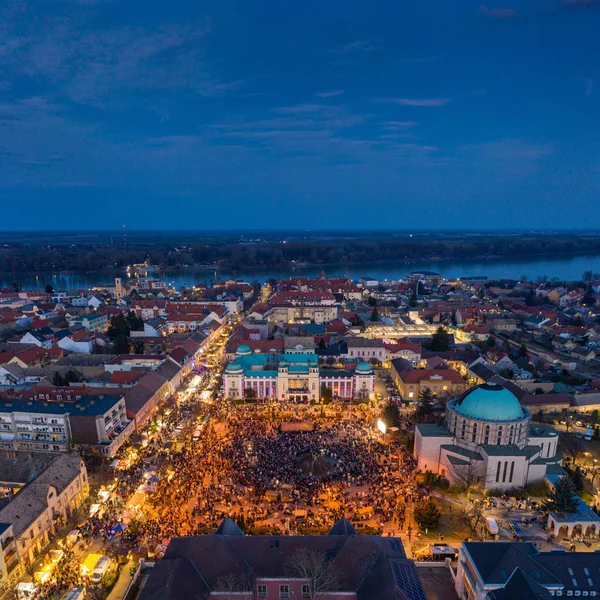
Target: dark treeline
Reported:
[(233, 255)]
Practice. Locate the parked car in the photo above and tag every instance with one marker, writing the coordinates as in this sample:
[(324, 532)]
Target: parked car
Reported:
[(100, 569)]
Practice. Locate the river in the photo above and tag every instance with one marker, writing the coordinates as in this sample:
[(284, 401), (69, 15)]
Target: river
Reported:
[(565, 268)]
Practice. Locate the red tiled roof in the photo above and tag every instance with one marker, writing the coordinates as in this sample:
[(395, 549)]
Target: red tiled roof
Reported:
[(125, 377)]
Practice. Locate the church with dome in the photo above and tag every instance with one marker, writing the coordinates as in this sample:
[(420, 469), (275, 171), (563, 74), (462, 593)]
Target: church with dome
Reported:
[(488, 441), (294, 376)]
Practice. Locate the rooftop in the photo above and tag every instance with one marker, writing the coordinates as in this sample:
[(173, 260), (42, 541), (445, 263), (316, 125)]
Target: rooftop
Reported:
[(489, 402)]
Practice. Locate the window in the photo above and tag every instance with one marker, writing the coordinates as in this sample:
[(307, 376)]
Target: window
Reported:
[(486, 439), (474, 434), (504, 471), (512, 470), (498, 473), (499, 435), (305, 590), (262, 591), (284, 591)]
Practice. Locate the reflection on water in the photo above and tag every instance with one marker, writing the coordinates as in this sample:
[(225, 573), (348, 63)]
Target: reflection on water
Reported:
[(566, 268)]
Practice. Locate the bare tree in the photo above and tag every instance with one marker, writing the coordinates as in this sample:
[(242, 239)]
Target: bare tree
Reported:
[(466, 474), (572, 446), (315, 568), (235, 582), (472, 514)]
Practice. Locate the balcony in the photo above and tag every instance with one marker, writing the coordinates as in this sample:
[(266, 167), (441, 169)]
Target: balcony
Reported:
[(9, 555), (14, 562), (7, 542)]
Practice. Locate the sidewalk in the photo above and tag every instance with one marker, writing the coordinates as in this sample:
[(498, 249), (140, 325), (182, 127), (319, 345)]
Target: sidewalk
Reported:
[(118, 591)]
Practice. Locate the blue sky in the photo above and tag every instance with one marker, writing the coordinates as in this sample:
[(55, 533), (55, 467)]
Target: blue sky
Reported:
[(285, 114)]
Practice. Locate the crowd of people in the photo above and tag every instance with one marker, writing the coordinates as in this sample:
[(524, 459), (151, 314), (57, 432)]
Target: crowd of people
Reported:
[(253, 466)]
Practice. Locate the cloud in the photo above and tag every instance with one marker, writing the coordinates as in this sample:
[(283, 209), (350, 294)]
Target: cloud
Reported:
[(329, 94), (424, 102), (497, 12), (394, 125), (103, 66), (358, 46), (582, 3), (512, 149), (302, 108)]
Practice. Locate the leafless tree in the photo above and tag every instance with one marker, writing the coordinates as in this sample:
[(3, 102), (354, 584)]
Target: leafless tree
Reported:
[(315, 568), (235, 582), (472, 514), (466, 475), (572, 446)]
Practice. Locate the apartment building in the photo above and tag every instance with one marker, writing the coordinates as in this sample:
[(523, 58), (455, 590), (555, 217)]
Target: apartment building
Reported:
[(99, 423), (36, 511)]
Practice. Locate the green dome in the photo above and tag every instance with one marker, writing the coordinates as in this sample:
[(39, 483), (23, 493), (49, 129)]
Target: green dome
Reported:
[(233, 369), (489, 402), (363, 368), (243, 350)]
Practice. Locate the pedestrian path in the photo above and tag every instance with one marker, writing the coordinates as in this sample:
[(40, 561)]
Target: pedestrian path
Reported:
[(118, 591)]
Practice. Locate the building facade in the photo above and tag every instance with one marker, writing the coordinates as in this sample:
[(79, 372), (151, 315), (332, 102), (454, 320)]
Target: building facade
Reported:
[(293, 377), (37, 510)]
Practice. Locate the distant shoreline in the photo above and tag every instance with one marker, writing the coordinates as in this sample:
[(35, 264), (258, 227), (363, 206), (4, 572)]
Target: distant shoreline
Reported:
[(159, 272)]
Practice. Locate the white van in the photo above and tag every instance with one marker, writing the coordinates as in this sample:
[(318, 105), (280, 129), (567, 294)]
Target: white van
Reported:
[(492, 526), (100, 569)]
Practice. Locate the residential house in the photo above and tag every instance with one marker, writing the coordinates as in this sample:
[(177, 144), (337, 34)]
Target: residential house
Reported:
[(92, 321), (412, 382)]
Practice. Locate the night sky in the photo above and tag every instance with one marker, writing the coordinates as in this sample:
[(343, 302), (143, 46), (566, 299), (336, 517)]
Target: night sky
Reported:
[(284, 114)]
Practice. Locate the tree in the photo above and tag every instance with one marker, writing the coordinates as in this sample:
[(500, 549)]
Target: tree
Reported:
[(414, 301), (314, 568), (322, 344), (49, 289), (371, 301), (139, 347), (134, 322), (235, 582), (523, 351), (427, 515), (472, 515), (466, 474), (71, 376), (562, 497), (326, 394), (571, 445), (425, 408), (391, 415), (250, 394), (375, 315), (121, 344), (589, 298), (587, 275), (117, 326), (440, 340)]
